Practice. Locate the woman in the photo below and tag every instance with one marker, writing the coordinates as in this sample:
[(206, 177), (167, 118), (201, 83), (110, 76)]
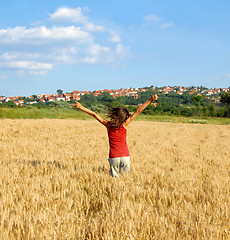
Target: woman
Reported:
[(119, 157)]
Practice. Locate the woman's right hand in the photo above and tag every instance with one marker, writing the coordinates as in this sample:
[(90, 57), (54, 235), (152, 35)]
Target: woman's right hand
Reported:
[(154, 97), (78, 105)]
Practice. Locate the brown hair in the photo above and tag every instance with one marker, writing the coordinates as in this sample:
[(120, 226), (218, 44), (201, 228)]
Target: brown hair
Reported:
[(117, 116)]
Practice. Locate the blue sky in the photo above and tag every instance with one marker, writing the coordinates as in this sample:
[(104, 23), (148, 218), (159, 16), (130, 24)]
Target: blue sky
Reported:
[(93, 45)]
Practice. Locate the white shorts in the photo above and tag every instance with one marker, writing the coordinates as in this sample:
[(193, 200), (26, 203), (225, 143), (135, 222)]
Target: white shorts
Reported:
[(120, 164)]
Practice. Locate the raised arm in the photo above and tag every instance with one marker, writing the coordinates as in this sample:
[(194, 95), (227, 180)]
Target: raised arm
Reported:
[(140, 109), (91, 113)]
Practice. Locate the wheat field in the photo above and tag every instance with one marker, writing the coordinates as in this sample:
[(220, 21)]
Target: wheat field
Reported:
[(55, 182)]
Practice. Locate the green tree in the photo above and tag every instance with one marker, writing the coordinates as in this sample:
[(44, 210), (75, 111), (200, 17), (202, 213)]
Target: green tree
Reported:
[(89, 100), (105, 98), (186, 98), (196, 100), (150, 110), (186, 111), (10, 104), (58, 105), (115, 103), (32, 99), (225, 100), (211, 109), (204, 108), (59, 92)]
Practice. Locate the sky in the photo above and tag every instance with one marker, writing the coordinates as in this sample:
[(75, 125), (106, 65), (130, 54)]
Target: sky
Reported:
[(112, 44)]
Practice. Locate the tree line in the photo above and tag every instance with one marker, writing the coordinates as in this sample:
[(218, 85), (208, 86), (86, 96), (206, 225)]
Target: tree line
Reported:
[(167, 104)]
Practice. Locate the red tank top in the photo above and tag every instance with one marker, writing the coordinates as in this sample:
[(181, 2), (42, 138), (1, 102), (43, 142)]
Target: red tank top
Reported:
[(117, 142)]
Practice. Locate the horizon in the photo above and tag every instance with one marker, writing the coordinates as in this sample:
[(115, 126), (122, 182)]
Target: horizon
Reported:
[(47, 45)]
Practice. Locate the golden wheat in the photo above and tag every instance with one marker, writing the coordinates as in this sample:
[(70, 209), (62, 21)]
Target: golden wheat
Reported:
[(55, 182)]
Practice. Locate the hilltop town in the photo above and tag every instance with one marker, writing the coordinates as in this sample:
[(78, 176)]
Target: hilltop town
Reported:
[(213, 94)]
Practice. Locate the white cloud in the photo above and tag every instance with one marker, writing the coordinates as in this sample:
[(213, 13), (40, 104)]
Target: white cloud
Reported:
[(68, 15), (114, 37), (8, 56), (3, 77), (32, 65), (17, 55), (41, 34), (228, 75), (166, 25), (37, 73), (75, 15), (63, 55), (94, 28), (122, 51), (154, 19), (95, 53), (37, 49), (98, 54)]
